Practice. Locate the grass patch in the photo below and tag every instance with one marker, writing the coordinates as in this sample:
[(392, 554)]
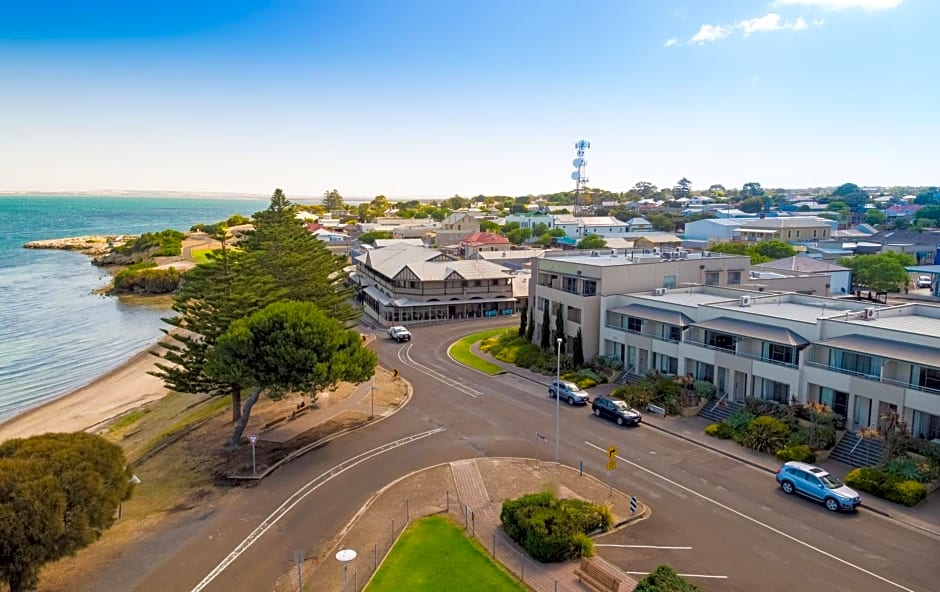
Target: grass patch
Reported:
[(210, 409), (434, 554), (460, 350), (200, 256), (127, 420)]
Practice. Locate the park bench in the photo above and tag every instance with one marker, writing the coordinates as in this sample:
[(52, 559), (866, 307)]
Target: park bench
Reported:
[(595, 576)]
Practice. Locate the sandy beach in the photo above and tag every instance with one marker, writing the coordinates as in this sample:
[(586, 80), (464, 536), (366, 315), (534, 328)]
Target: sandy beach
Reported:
[(123, 389)]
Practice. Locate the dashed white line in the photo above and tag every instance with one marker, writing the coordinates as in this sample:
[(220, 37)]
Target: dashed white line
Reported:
[(647, 547), (646, 573), (300, 494), (759, 523)]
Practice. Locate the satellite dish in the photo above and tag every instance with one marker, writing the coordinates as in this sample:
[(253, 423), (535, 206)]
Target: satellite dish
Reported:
[(577, 162), (576, 176)]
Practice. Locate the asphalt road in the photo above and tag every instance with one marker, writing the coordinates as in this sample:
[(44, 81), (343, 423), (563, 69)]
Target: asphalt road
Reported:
[(712, 516)]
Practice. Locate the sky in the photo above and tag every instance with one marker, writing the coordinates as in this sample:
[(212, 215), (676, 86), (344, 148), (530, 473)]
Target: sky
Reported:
[(434, 98)]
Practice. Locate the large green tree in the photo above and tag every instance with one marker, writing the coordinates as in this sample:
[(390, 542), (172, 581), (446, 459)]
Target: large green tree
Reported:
[(592, 241), (288, 347), (683, 188), (301, 265), (545, 335), (560, 332), (332, 200), (774, 249), (58, 493), (577, 350), (883, 272)]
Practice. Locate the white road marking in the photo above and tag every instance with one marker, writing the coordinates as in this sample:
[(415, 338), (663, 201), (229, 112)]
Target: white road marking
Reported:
[(404, 356), (759, 523), (303, 492), (646, 573), (647, 547)]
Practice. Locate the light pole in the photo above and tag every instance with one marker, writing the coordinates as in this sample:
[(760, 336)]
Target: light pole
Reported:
[(558, 399), (345, 556)]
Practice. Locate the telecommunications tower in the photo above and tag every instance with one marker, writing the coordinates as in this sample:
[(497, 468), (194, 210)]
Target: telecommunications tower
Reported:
[(578, 176)]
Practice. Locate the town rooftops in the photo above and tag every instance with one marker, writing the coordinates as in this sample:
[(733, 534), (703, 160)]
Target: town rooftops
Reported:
[(778, 223), (483, 238), (802, 263)]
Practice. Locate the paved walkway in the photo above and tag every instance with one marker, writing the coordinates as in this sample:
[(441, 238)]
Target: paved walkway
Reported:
[(316, 415), (924, 516)]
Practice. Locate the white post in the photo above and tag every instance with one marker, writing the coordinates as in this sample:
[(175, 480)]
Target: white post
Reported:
[(558, 400)]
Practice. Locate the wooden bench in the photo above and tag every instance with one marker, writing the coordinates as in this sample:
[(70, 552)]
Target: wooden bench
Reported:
[(596, 576)]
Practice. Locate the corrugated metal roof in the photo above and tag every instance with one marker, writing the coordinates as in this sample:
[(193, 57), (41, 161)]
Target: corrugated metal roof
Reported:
[(753, 330), (896, 350), (660, 315)]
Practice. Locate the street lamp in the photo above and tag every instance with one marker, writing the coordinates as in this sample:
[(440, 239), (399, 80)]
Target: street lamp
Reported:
[(558, 399), (345, 556)]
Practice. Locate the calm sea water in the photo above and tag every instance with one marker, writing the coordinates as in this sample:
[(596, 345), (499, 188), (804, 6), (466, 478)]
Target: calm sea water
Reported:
[(56, 335)]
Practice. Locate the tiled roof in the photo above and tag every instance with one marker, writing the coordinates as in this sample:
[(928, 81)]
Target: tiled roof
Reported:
[(484, 238)]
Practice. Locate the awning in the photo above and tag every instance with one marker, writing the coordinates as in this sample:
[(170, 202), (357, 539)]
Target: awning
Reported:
[(669, 317), (405, 303), (896, 350), (753, 330), (377, 295), (926, 269)]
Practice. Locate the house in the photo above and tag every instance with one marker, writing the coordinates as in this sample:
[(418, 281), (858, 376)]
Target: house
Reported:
[(513, 260), (483, 241), (639, 224), (388, 242), (713, 229), (531, 220), (657, 240), (922, 245), (840, 278), (578, 227), (789, 230), (901, 211), (861, 361), (455, 227), (407, 284)]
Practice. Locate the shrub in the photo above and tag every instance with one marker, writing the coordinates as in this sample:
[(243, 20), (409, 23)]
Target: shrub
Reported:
[(909, 493), (797, 437), (552, 529), (720, 430), (765, 434), (664, 579), (588, 373), (799, 453), (739, 420), (871, 480), (928, 449), (147, 281), (634, 395), (703, 388), (759, 407), (907, 469), (712, 429), (821, 437)]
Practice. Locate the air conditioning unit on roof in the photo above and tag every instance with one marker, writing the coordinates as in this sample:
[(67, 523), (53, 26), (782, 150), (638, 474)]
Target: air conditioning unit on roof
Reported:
[(869, 313), (660, 291), (746, 300)]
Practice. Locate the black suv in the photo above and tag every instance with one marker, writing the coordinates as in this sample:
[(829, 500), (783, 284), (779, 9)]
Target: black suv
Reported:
[(616, 410)]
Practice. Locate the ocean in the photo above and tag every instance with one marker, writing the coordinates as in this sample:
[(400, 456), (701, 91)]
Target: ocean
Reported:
[(56, 333)]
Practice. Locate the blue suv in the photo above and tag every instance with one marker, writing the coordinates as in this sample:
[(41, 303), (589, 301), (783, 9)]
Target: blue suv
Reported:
[(815, 483)]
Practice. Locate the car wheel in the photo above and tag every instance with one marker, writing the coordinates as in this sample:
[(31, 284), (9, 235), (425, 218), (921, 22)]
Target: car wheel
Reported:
[(597, 412), (787, 487), (832, 505), (620, 421), (571, 400)]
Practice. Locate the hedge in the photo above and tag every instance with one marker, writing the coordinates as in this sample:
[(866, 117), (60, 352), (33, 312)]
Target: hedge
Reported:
[(552, 529), (884, 485), (799, 453)]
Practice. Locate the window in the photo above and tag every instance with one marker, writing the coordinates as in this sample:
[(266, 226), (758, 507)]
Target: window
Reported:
[(797, 234), (569, 284), (720, 340), (704, 371), (666, 364), (669, 281), (477, 283), (711, 278), (588, 287), (574, 314), (778, 353), (634, 324), (814, 233), (672, 333), (929, 378), (855, 363), (543, 303), (775, 391), (789, 234), (734, 278)]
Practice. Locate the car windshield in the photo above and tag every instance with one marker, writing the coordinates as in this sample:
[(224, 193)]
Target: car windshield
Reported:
[(621, 406), (830, 481), (572, 387)]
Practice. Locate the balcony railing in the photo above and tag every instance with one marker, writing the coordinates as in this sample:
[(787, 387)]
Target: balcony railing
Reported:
[(757, 357), (872, 377), (642, 333), (916, 387)]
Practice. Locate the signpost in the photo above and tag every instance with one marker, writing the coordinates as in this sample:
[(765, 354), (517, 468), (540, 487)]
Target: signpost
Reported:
[(344, 556), (254, 467), (611, 465)]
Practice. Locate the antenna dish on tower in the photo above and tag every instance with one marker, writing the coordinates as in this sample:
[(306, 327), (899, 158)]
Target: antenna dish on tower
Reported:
[(578, 162), (576, 176)]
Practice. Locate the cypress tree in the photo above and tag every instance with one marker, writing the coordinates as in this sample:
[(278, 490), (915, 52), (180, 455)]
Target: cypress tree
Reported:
[(577, 353), (530, 330), (546, 329), (560, 326), (523, 321)]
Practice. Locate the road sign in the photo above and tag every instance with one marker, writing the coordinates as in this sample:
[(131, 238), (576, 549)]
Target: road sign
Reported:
[(611, 465), (253, 438), (633, 505), (612, 452)]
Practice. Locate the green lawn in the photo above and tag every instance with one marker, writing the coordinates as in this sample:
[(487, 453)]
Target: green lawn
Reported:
[(199, 255), (460, 350), (434, 555)]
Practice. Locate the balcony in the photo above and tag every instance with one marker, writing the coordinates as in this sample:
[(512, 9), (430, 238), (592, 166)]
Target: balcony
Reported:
[(732, 351), (642, 333), (872, 377)]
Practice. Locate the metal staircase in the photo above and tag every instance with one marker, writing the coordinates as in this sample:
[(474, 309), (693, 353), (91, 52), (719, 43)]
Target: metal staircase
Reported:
[(720, 410), (858, 452)]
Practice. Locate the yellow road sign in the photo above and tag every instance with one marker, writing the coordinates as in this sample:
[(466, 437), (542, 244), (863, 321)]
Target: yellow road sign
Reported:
[(611, 465), (612, 452)]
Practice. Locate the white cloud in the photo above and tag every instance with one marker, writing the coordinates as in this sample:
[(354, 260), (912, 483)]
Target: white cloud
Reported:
[(671, 42), (762, 24), (842, 4), (710, 33)]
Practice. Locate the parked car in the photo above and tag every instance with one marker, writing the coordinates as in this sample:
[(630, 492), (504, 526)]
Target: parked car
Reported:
[(616, 410), (399, 334), (568, 391), (817, 484), (924, 281)]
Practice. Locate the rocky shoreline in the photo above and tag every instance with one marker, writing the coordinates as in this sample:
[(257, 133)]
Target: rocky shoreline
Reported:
[(93, 245)]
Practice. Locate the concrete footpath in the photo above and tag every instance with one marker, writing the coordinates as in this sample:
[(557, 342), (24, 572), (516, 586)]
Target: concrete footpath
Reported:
[(925, 516), (471, 492)]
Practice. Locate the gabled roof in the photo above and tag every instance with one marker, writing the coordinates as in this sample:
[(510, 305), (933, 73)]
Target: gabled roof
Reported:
[(802, 263), (794, 222), (636, 221), (484, 238), (475, 269), (753, 330), (390, 260)]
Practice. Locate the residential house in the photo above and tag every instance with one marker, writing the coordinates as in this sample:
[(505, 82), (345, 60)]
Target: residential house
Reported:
[(639, 224), (578, 227), (407, 284), (483, 241), (455, 227), (840, 278), (713, 229), (514, 260), (794, 229), (901, 211), (922, 245)]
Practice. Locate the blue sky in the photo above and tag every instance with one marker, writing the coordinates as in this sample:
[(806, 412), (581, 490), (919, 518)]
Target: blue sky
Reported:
[(434, 98)]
